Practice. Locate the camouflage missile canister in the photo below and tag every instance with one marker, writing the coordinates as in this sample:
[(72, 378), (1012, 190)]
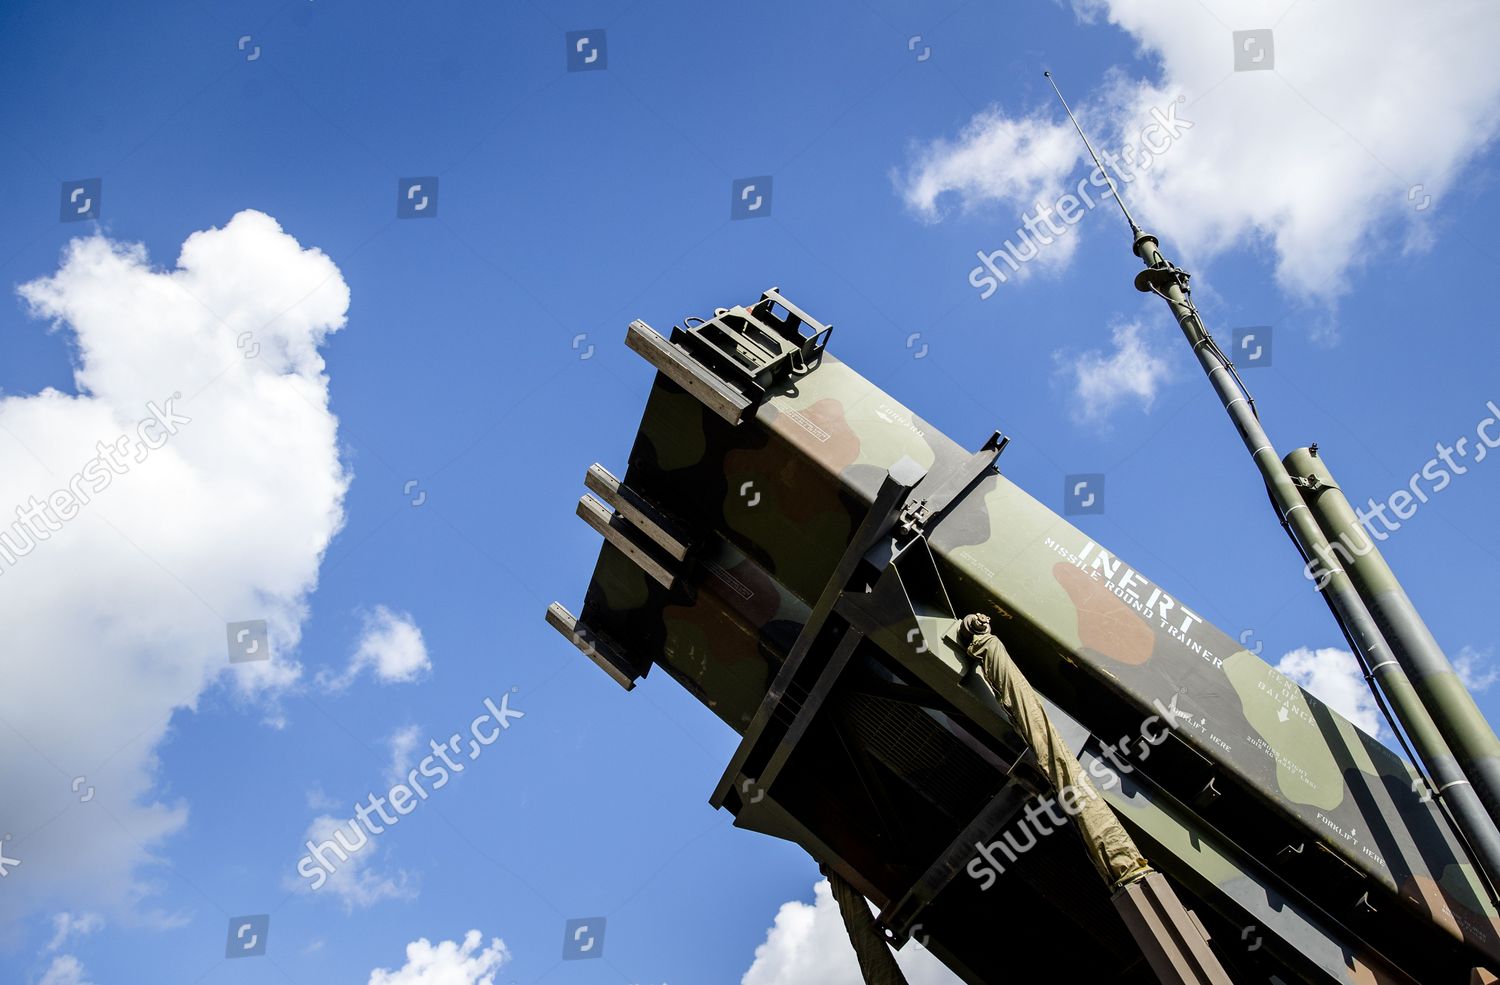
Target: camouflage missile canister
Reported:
[(1315, 816)]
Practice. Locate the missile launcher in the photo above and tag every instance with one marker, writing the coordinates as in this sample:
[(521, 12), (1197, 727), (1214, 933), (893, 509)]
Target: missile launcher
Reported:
[(796, 548)]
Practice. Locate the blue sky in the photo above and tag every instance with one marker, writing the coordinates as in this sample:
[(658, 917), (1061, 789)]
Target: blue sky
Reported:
[(567, 204)]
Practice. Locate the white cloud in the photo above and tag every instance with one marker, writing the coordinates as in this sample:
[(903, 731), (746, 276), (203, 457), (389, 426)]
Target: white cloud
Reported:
[(1475, 669), (356, 881), (996, 157), (808, 943), (1101, 382), (391, 645), (64, 970), (448, 963), (1334, 676), (66, 926), (117, 620), (1316, 158), (318, 800), (403, 744)]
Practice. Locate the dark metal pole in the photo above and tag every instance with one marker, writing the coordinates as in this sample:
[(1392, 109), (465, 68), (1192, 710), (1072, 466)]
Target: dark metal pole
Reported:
[(1169, 283), (1438, 686), (1476, 826)]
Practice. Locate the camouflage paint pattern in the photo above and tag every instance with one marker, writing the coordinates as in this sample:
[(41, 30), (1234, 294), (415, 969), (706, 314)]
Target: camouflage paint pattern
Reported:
[(774, 500)]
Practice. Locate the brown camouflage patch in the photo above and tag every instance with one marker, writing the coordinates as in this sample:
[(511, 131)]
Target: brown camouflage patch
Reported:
[(1105, 624)]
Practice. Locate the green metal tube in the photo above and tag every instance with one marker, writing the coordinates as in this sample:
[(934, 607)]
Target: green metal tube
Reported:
[(1337, 588), (1438, 686)]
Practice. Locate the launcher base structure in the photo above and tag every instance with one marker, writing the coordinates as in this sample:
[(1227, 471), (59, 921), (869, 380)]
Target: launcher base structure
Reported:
[(796, 548)]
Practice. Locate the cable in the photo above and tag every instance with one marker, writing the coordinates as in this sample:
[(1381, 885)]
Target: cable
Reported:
[(1212, 343)]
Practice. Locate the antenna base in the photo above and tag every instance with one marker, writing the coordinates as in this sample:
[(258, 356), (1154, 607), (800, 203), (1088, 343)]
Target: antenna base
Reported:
[(1158, 279)]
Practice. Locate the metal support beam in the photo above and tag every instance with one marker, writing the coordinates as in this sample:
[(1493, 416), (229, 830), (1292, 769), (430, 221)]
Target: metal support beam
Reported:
[(597, 647), (755, 748), (898, 919), (1173, 941), (647, 518), (936, 493), (686, 372), (626, 538)]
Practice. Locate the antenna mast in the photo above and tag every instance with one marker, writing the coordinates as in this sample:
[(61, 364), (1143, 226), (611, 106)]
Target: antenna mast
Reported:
[(1450, 785), (1134, 229)]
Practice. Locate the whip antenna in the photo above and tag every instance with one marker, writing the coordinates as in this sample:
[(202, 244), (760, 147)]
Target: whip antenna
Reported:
[(1134, 229)]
